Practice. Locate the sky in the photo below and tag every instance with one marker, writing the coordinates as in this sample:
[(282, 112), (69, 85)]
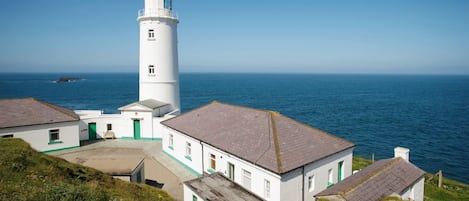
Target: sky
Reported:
[(249, 36)]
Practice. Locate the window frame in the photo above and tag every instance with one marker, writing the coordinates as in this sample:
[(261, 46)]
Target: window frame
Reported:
[(247, 179), (188, 151), (54, 136), (213, 161), (311, 183), (266, 189), (171, 141), (151, 70), (151, 34)]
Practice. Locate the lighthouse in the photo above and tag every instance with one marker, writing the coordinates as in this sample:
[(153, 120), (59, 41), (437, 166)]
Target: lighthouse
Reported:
[(158, 62)]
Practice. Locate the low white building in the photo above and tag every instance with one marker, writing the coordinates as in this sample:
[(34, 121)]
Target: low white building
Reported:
[(389, 177), (139, 120), (271, 155), (126, 169), (46, 127)]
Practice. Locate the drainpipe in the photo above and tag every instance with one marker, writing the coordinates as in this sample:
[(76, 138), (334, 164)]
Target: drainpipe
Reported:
[(202, 145), (303, 184)]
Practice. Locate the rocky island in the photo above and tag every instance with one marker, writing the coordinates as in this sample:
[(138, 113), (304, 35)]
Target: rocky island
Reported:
[(67, 79)]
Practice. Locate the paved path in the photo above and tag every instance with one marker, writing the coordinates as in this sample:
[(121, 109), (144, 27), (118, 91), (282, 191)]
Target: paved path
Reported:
[(158, 166)]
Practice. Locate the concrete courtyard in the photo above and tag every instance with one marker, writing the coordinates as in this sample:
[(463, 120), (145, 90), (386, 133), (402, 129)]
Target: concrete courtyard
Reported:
[(158, 166)]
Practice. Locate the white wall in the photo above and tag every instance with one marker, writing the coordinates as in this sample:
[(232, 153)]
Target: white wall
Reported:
[(188, 193), (415, 192), (291, 185), (38, 135), (258, 174), (122, 124), (178, 149), (320, 171)]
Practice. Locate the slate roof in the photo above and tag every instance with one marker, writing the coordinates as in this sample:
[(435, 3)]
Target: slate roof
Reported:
[(216, 187), (30, 111), (377, 181), (265, 138), (150, 104)]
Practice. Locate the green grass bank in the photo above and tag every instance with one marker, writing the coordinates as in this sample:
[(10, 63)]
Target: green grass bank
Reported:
[(26, 174)]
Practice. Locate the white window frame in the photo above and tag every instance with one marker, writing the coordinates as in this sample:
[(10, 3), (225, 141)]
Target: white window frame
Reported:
[(266, 189), (171, 141), (330, 177), (54, 136), (247, 179), (151, 70), (151, 34), (311, 183), (188, 151), (213, 161)]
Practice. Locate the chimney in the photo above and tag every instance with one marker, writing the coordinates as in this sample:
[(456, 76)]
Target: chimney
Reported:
[(401, 152)]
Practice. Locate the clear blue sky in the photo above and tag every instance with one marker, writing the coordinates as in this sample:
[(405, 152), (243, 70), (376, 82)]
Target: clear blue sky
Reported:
[(297, 36)]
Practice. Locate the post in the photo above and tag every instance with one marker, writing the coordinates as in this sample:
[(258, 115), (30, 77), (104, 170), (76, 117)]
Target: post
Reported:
[(372, 158), (440, 178)]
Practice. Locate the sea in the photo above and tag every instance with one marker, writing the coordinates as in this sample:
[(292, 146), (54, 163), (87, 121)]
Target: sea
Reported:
[(429, 114)]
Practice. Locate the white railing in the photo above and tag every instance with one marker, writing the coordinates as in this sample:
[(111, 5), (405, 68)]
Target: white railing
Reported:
[(161, 12)]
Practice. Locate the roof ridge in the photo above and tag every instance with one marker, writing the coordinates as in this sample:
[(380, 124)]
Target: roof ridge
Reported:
[(370, 175), (276, 142), (57, 108)]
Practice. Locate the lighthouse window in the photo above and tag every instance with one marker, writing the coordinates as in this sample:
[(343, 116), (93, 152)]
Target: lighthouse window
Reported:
[(151, 70), (168, 4), (151, 34)]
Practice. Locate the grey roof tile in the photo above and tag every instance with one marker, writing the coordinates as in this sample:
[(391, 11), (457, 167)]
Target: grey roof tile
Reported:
[(265, 138), (30, 111), (377, 181)]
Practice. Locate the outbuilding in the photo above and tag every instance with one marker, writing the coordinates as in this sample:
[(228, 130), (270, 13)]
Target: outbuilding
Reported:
[(47, 127)]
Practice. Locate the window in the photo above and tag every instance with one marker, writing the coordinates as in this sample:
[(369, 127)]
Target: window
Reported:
[(213, 163), (311, 183), (54, 136), (231, 171), (247, 179), (7, 136), (171, 141), (109, 127), (340, 171), (151, 70), (168, 4), (330, 179), (194, 198), (151, 34), (266, 188), (188, 151)]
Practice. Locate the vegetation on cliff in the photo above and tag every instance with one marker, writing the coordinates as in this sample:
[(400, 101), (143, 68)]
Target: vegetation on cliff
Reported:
[(26, 174)]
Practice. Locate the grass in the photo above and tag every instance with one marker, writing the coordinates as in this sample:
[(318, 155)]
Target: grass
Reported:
[(26, 174), (451, 190)]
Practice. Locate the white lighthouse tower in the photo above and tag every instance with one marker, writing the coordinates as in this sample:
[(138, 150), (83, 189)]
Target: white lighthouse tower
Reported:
[(158, 68)]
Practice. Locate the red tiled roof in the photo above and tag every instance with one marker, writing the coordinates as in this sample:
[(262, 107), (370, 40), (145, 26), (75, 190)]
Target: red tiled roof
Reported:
[(377, 181), (265, 138), (29, 111)]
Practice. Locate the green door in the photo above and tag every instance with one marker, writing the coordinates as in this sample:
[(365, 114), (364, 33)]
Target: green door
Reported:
[(136, 129), (92, 131), (341, 171)]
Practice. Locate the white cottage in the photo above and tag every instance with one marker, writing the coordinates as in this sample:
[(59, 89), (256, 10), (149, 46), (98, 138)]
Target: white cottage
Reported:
[(389, 177), (45, 126), (273, 156)]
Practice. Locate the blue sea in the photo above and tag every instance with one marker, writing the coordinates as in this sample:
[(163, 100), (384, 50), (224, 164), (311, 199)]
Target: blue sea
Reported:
[(428, 114)]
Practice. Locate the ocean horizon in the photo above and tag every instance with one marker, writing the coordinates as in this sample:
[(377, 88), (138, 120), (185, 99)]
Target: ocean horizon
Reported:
[(426, 113)]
